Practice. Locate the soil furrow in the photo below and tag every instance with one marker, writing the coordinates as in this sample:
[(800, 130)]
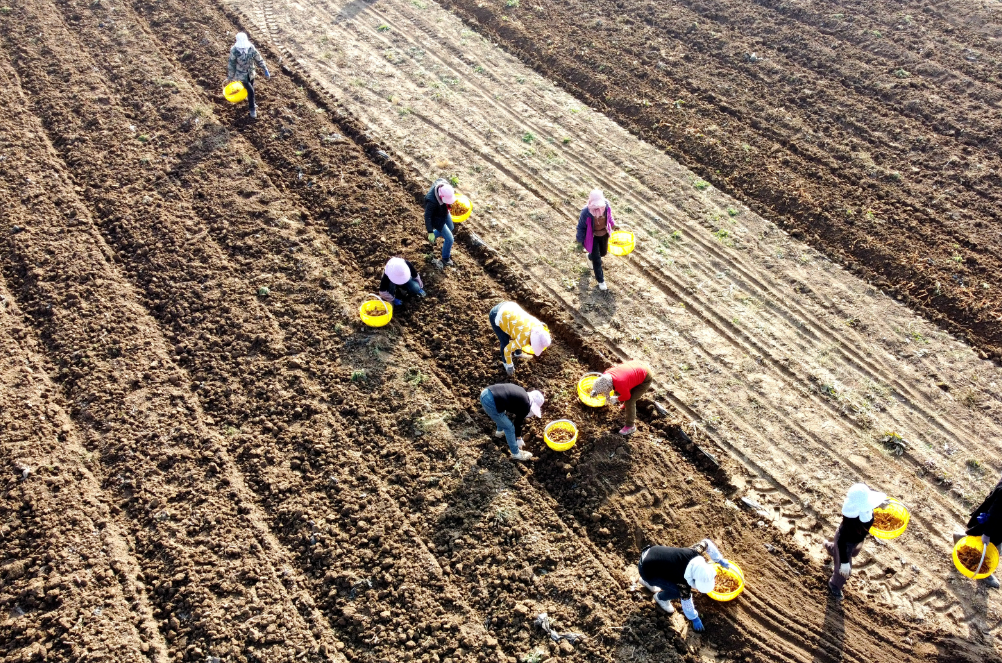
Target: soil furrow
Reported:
[(168, 476)]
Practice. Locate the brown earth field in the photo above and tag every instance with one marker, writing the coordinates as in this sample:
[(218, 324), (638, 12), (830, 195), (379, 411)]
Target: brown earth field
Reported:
[(207, 458), (868, 129)]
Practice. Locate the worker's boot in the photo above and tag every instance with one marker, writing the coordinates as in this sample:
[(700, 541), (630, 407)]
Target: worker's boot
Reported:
[(499, 433), (522, 455), (991, 581), (253, 113), (650, 586), (665, 605), (628, 430)]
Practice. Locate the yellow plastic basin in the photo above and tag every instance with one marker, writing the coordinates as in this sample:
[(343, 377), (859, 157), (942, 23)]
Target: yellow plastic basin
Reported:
[(622, 243), (991, 557), (560, 424), (375, 312), (235, 92), (585, 384), (895, 508), (736, 573), (465, 200)]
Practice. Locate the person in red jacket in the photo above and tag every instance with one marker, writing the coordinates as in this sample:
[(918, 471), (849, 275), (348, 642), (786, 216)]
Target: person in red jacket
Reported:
[(630, 380)]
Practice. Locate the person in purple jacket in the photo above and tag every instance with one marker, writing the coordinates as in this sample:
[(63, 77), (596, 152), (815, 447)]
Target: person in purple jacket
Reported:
[(594, 228)]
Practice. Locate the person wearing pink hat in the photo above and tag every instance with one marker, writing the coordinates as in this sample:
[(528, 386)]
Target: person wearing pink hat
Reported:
[(595, 225), (400, 273), (509, 405), (437, 220)]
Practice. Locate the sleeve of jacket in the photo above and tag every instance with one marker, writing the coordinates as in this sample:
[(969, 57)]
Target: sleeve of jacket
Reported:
[(231, 67), (582, 227), (428, 216), (387, 289), (612, 222), (843, 541), (518, 421)]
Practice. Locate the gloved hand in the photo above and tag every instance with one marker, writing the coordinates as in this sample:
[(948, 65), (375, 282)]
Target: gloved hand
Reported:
[(724, 563), (431, 238), (697, 625), (267, 75), (509, 369), (520, 443), (422, 293), (844, 570), (582, 248), (397, 302), (983, 518), (613, 399)]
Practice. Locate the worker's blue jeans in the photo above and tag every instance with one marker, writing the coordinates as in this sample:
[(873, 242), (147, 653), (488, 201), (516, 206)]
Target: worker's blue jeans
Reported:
[(502, 336), (447, 230), (500, 419), (669, 590)]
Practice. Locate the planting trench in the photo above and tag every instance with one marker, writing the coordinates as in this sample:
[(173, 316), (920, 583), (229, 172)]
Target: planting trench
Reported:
[(288, 485)]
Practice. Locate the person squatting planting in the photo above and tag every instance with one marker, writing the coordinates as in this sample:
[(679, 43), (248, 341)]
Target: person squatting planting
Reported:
[(438, 221), (673, 573), (501, 400), (595, 225), (241, 67), (630, 380), (515, 330), (857, 517), (986, 522), (400, 273)]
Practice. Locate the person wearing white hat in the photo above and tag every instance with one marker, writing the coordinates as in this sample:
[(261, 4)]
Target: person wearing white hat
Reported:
[(673, 573), (595, 226), (857, 517), (400, 273), (241, 68), (509, 405), (437, 220), (515, 330)]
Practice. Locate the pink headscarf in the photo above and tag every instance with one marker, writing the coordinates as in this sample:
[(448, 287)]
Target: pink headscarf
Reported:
[(596, 202), (446, 194)]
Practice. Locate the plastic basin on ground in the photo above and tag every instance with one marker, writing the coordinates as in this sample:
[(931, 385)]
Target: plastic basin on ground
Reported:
[(375, 312), (560, 424)]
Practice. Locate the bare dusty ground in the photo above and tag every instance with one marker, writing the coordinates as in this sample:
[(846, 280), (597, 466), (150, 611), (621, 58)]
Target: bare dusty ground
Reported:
[(207, 458), (794, 368)]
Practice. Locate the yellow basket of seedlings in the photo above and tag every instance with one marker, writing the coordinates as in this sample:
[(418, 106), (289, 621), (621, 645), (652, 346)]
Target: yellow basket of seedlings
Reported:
[(375, 312), (461, 209), (560, 435)]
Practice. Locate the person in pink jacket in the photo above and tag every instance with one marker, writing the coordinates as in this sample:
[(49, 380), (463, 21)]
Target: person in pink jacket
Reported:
[(595, 225)]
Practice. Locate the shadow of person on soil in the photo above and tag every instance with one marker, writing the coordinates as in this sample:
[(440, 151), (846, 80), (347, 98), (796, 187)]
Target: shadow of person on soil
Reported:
[(601, 304), (831, 640)]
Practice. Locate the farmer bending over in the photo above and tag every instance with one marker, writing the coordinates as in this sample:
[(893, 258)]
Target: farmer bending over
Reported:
[(400, 273), (673, 573), (630, 380), (438, 221), (515, 330), (241, 68), (501, 400)]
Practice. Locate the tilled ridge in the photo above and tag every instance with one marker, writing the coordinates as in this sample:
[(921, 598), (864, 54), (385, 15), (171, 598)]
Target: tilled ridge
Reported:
[(69, 585), (217, 582)]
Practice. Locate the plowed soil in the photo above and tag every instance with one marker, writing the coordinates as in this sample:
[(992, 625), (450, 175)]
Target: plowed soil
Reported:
[(208, 458), (869, 129)]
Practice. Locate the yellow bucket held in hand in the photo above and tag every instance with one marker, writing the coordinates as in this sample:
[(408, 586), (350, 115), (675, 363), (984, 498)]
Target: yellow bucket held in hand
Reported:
[(461, 202), (235, 92), (560, 424), (991, 557), (584, 391), (894, 508), (734, 572), (622, 242), (375, 312)]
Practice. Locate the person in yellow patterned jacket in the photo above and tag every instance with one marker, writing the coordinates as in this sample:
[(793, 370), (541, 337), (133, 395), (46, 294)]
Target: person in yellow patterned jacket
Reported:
[(516, 329)]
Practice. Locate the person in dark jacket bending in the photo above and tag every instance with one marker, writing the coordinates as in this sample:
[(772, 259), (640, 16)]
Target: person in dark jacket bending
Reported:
[(501, 400), (986, 522), (595, 225), (400, 273), (857, 517), (438, 221), (672, 573)]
